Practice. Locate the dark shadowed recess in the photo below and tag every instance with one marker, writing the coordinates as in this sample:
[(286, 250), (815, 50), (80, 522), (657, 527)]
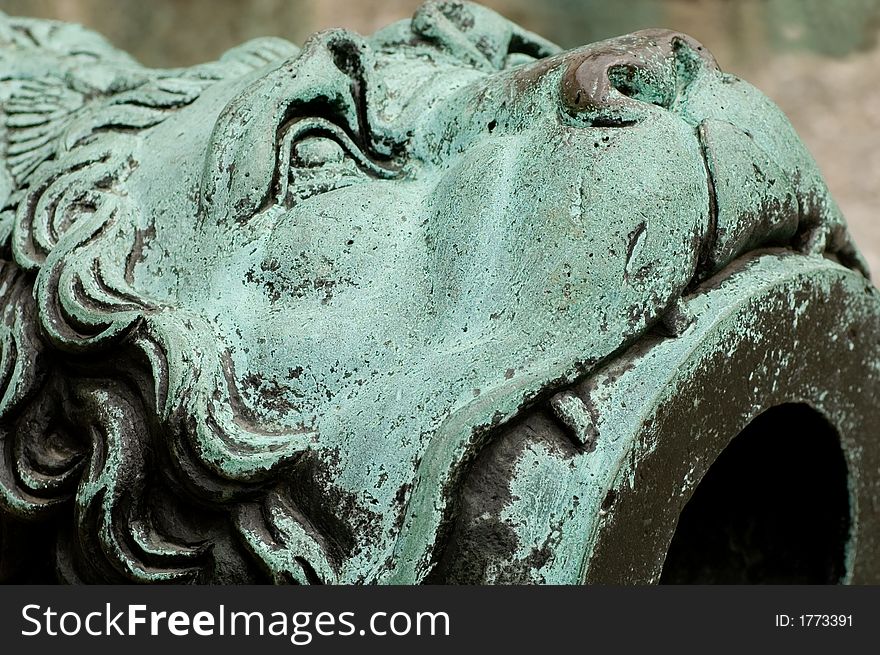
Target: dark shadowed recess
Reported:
[(772, 509)]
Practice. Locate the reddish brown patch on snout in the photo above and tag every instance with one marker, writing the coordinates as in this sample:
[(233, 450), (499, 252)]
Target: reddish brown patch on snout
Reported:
[(608, 81)]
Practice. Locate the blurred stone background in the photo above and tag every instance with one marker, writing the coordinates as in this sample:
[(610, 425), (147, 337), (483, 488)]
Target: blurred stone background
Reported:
[(818, 59)]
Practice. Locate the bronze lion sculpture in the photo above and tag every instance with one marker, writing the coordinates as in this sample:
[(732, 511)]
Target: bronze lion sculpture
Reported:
[(260, 315)]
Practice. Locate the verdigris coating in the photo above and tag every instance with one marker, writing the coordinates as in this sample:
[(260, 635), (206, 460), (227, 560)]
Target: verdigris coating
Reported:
[(261, 315)]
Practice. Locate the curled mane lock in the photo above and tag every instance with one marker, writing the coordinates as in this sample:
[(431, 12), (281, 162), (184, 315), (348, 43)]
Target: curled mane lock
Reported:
[(112, 404)]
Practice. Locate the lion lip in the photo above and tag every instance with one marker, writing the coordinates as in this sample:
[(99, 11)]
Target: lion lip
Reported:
[(752, 200)]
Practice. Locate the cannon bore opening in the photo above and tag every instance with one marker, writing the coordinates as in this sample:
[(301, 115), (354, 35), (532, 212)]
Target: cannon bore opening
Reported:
[(772, 509)]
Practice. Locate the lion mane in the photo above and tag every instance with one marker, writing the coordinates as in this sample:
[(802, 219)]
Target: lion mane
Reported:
[(118, 427)]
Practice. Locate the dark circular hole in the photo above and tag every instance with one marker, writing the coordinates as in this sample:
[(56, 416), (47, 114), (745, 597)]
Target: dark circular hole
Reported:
[(772, 509)]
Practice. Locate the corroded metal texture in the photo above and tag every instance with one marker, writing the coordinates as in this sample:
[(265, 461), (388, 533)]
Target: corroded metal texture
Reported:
[(777, 329), (284, 316)]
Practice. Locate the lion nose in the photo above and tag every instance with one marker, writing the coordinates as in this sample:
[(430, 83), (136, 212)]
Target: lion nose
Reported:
[(612, 83)]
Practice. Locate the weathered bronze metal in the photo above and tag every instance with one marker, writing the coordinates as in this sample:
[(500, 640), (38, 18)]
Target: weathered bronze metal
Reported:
[(444, 304)]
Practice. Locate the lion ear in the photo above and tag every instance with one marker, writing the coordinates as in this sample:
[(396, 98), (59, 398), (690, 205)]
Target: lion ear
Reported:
[(478, 35)]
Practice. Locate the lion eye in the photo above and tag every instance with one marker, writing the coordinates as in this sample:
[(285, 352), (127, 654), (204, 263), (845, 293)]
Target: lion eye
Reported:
[(316, 151), (316, 156)]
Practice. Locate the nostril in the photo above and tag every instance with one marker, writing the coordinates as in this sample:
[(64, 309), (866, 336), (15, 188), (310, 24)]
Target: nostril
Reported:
[(643, 84), (615, 83), (687, 47), (690, 58), (612, 88), (623, 78)]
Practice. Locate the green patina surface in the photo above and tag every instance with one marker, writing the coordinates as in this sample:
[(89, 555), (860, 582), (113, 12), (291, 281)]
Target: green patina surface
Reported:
[(259, 315), (563, 501)]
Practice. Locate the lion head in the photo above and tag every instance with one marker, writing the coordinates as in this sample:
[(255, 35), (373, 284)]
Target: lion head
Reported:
[(259, 315)]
